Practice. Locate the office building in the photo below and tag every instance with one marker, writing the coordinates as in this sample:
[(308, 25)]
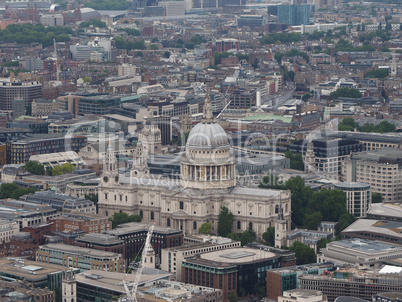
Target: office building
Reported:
[(294, 14), (352, 283), (385, 211), (362, 253), (13, 90), (172, 257), (35, 125), (84, 222), (370, 229), (162, 237), (252, 21), (326, 155), (371, 141), (52, 20), (242, 99), (26, 214), (7, 134), (231, 269), (302, 295), (103, 242), (19, 151), (61, 202), (387, 297), (42, 108), (224, 45), (358, 197), (81, 258), (40, 275), (105, 47), (380, 169), (287, 278)]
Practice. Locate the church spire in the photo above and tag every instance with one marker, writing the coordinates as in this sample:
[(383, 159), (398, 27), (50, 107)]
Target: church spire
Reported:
[(207, 116)]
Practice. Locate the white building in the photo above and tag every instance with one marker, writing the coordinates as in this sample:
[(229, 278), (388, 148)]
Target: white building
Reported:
[(126, 70), (358, 197), (207, 183), (7, 230), (52, 20), (302, 295)]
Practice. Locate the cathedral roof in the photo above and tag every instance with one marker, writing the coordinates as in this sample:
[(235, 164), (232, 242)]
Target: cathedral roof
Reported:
[(207, 134)]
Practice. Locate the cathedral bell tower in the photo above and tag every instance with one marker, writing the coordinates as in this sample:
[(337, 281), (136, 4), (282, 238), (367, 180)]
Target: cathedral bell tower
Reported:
[(140, 166), (110, 175), (281, 228)]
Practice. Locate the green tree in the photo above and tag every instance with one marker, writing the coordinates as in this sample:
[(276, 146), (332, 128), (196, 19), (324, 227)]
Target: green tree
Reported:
[(379, 73), (233, 297), (344, 221), (269, 236), (122, 217), (296, 160), (345, 92), (278, 56), (58, 294), (305, 97), (271, 181), (166, 54), (6, 189), (108, 4), (87, 79), (155, 40), (153, 47), (205, 228), (225, 222), (94, 198), (348, 124), (234, 236), (322, 243), (376, 197), (63, 169), (300, 196), (34, 167), (304, 254), (380, 25), (388, 26), (247, 237), (312, 221), (16, 194)]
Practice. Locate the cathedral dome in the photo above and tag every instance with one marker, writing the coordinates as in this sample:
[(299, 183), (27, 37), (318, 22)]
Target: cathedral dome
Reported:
[(207, 136)]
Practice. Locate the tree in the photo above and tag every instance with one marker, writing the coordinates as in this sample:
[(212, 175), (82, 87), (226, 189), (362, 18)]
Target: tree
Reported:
[(296, 160), (348, 124), (380, 25), (34, 167), (388, 26), (304, 254), (271, 181), (358, 27), (233, 297), (153, 47), (6, 189), (94, 198), (58, 294), (269, 236), (108, 4), (305, 97), (166, 54), (345, 92), (322, 243), (205, 228), (363, 27), (247, 237), (122, 217), (225, 222), (344, 221), (87, 79), (155, 40), (300, 195), (278, 56), (376, 197), (234, 236), (63, 169), (312, 221)]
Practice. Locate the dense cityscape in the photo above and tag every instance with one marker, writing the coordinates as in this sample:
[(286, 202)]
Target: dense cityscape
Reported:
[(201, 150)]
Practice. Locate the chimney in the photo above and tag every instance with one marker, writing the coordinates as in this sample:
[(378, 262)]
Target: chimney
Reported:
[(258, 98)]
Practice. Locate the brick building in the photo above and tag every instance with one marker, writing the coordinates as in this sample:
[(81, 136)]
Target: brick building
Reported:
[(84, 222)]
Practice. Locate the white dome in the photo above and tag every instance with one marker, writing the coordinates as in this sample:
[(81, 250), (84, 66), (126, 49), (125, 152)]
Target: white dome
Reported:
[(207, 136)]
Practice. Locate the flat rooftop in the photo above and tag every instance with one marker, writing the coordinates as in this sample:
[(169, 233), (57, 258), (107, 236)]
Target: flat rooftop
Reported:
[(132, 227), (368, 247), (114, 280), (386, 209), (238, 256), (30, 270), (80, 251)]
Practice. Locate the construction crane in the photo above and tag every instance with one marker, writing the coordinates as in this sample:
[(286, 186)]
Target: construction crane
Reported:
[(131, 295)]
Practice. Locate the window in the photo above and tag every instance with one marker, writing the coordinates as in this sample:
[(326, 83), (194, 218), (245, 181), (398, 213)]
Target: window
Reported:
[(238, 225), (195, 225), (141, 214), (168, 222), (181, 205), (152, 216), (105, 196), (250, 226)]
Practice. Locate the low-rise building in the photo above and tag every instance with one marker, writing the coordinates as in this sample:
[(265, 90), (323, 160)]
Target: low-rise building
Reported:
[(373, 229), (40, 275), (61, 202), (231, 269), (353, 283), (287, 278), (81, 258), (26, 214), (362, 253), (172, 258), (385, 211), (302, 295), (88, 223)]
